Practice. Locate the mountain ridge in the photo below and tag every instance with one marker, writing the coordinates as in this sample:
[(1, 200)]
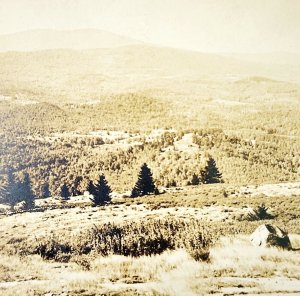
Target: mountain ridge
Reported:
[(43, 39)]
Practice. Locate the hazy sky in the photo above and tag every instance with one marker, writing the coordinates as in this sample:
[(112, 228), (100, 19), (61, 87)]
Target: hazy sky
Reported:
[(204, 25)]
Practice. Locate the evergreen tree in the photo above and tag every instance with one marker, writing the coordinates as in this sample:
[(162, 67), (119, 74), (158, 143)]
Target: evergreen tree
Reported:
[(45, 191), (101, 191), (195, 180), (211, 173), (26, 193), (64, 192), (75, 189), (145, 184), (3, 186), (11, 190), (91, 188)]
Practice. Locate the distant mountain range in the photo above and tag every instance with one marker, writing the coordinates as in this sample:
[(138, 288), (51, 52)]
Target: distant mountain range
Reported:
[(54, 39), (85, 65)]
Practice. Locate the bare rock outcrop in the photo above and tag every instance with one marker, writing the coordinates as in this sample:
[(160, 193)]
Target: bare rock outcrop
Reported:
[(267, 235)]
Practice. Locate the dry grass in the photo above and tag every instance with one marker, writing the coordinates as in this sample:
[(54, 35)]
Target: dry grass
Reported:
[(233, 257), (13, 268), (235, 267)]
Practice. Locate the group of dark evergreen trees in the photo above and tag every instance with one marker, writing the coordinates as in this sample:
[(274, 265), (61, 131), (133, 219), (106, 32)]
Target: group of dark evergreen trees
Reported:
[(16, 190), (101, 191)]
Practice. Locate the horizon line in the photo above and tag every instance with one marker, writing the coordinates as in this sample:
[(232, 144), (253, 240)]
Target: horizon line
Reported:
[(138, 40)]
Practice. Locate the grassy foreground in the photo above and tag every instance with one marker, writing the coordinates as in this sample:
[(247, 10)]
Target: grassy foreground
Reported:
[(184, 242), (235, 267)]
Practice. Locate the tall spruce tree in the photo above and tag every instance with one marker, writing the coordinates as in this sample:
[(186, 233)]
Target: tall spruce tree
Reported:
[(26, 193), (145, 184), (64, 192), (101, 192), (211, 173), (11, 190)]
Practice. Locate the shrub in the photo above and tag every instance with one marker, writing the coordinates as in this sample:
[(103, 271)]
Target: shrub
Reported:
[(52, 249), (261, 213), (134, 239)]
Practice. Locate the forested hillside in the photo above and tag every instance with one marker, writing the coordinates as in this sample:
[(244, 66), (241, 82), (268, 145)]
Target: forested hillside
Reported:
[(56, 105)]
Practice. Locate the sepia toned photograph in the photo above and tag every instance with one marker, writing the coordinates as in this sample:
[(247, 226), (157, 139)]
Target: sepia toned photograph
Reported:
[(149, 147)]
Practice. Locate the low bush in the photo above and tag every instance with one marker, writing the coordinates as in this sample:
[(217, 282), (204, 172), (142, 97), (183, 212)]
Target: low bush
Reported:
[(261, 213), (150, 237), (147, 237)]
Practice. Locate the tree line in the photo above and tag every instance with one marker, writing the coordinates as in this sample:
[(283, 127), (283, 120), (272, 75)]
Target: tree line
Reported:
[(75, 160), (16, 190)]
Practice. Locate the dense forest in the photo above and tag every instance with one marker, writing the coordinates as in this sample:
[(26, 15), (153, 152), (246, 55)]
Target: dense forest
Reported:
[(59, 145), (76, 160)]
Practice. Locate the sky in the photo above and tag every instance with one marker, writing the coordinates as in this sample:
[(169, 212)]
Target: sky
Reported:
[(245, 26)]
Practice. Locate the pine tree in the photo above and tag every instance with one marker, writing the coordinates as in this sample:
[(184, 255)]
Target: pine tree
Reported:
[(26, 193), (91, 188), (3, 191), (195, 180), (101, 191), (64, 192), (11, 190), (145, 184), (211, 173), (45, 191)]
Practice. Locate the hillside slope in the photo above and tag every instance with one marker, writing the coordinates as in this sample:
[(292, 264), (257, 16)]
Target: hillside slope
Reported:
[(87, 75), (53, 39)]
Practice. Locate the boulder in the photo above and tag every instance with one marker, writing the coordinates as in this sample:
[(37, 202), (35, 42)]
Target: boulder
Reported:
[(267, 235)]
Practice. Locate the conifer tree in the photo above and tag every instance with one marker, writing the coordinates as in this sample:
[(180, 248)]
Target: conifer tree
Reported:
[(195, 180), (26, 193), (3, 186), (11, 190), (91, 188), (2, 191), (45, 191), (211, 173), (75, 189), (102, 192), (64, 192), (145, 184)]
